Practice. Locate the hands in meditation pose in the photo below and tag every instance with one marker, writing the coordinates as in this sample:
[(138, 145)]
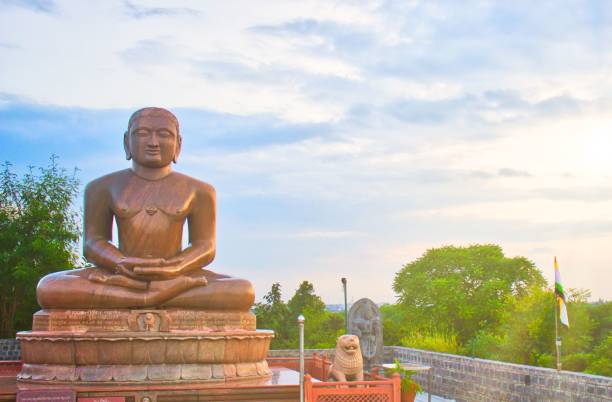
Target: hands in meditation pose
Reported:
[(150, 204)]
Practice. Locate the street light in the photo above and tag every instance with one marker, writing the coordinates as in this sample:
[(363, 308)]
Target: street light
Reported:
[(345, 307)]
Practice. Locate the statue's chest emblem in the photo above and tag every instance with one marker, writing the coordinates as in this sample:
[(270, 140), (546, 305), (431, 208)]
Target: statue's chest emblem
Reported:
[(129, 207), (151, 210)]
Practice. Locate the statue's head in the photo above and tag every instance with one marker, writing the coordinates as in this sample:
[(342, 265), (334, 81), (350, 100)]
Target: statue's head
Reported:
[(152, 138)]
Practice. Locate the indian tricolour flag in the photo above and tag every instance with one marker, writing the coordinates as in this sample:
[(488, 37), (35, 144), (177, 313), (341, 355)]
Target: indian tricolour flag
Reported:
[(560, 296)]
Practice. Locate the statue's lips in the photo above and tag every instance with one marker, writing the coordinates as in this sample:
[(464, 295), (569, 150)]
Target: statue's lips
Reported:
[(350, 349)]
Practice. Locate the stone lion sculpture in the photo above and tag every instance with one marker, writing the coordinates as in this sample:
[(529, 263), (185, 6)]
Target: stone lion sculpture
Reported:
[(348, 362)]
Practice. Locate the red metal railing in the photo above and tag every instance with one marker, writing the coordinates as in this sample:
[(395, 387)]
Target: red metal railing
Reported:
[(382, 390)]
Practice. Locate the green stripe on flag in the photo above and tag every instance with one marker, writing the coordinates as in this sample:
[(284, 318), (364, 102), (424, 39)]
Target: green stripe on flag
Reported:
[(559, 290)]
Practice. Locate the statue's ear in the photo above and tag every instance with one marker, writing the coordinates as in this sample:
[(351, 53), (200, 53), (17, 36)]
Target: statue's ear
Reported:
[(126, 145), (177, 149)]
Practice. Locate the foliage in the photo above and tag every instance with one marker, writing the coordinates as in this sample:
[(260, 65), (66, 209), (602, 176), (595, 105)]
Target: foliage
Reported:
[(530, 329), (321, 327), (484, 344), (601, 361), (273, 313), (499, 309), (407, 382), (305, 298), (39, 231), (463, 289), (437, 341), (601, 315), (576, 361), (395, 323)]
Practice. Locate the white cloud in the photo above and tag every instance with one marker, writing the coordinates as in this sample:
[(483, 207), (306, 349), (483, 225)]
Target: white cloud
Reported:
[(448, 115)]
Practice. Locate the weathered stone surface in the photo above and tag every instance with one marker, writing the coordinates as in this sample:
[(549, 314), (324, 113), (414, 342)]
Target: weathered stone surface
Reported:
[(246, 369), (348, 361), (113, 356), (129, 320), (91, 373), (467, 379), (218, 371), (164, 372), (365, 322), (196, 371), (129, 373)]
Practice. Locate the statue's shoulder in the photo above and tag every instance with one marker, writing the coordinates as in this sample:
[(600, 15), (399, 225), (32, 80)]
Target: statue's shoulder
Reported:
[(106, 182), (200, 186)]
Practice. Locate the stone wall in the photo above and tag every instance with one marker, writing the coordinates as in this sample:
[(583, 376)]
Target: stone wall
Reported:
[(388, 353), (469, 379), (10, 349), (296, 353)]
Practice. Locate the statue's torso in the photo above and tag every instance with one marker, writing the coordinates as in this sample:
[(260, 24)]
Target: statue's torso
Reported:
[(150, 215)]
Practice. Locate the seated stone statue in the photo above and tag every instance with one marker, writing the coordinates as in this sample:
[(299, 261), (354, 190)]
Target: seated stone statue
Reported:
[(150, 204)]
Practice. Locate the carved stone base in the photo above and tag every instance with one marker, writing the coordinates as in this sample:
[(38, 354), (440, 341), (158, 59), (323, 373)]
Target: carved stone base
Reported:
[(147, 373), (120, 320), (152, 346)]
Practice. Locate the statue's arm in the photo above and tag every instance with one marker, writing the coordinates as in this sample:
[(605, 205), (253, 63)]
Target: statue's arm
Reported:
[(202, 233), (97, 245)]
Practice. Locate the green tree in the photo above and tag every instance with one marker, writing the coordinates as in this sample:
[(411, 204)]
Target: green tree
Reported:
[(462, 290), (601, 314), (321, 327), (304, 298), (529, 331), (601, 358), (273, 314), (396, 324), (39, 231)]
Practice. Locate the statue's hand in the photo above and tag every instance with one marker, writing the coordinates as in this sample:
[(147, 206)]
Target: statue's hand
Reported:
[(169, 269), (126, 265)]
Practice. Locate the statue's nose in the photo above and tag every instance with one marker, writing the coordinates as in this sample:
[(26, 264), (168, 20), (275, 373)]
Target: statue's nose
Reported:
[(153, 140)]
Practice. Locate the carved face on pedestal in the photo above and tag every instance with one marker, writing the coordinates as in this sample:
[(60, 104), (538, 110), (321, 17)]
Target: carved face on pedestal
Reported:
[(152, 139)]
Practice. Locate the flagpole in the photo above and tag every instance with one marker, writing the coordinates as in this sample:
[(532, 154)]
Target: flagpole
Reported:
[(557, 338)]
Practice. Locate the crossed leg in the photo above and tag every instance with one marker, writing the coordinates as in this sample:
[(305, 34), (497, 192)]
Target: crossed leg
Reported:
[(199, 289)]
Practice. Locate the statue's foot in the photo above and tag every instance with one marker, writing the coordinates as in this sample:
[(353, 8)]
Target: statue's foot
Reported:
[(99, 276), (199, 281), (162, 291)]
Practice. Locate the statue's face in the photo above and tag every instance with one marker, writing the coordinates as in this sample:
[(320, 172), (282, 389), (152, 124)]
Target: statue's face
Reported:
[(153, 140)]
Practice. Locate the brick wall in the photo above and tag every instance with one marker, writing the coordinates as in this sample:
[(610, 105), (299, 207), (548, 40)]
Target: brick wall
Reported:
[(469, 379), (10, 349)]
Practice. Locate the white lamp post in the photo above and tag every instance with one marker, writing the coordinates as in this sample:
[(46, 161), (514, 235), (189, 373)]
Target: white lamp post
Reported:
[(300, 321)]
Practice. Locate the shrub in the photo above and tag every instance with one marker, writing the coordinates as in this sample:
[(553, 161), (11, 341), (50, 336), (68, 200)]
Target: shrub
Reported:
[(433, 340)]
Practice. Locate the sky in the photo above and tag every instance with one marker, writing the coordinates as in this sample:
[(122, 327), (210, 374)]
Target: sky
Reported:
[(344, 138)]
